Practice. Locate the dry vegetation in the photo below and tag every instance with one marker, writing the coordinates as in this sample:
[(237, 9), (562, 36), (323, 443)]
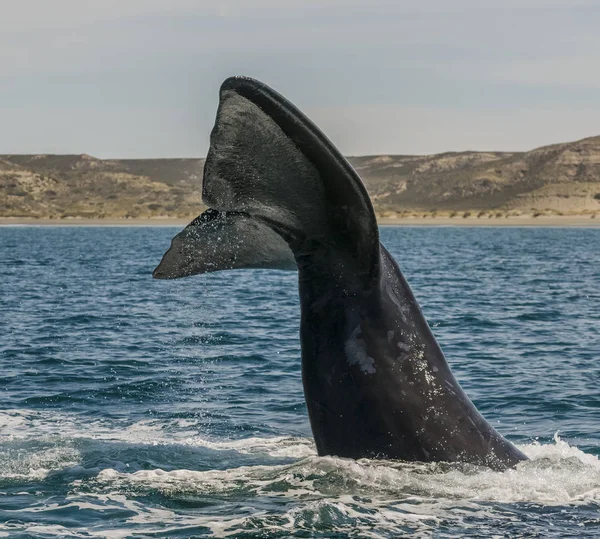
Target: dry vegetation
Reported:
[(563, 179), (62, 186)]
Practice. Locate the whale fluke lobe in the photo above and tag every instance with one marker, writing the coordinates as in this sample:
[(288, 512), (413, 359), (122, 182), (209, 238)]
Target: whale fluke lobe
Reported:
[(224, 240), (375, 379)]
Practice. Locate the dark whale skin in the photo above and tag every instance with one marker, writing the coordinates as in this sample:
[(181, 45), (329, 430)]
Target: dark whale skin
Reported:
[(376, 382)]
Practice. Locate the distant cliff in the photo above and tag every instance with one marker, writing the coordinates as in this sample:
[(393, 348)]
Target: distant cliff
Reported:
[(562, 178)]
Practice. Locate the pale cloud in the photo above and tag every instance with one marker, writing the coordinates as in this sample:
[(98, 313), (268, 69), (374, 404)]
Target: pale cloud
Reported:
[(143, 75), (582, 71), (28, 15), (368, 130)]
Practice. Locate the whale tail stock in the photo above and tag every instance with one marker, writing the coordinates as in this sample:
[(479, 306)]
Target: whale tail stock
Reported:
[(270, 174)]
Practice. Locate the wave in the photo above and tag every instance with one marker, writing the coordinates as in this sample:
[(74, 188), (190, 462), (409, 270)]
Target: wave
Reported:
[(556, 473), (285, 490)]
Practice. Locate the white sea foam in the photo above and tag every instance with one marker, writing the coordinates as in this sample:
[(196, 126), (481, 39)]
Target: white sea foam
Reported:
[(33, 424), (377, 498), (557, 474)]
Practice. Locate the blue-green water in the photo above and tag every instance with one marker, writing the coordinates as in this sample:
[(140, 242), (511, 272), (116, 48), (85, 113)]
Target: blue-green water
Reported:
[(133, 407)]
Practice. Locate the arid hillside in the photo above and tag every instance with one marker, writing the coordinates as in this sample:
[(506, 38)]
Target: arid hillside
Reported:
[(62, 186), (561, 179)]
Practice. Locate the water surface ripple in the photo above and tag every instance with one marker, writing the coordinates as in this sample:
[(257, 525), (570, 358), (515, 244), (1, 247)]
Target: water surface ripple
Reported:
[(140, 408)]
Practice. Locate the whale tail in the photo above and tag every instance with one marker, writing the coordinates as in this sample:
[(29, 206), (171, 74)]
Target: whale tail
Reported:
[(272, 178), (376, 381)]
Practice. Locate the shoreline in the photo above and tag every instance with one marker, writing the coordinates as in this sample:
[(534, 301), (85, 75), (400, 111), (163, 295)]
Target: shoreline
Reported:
[(553, 221), (567, 221), (25, 221)]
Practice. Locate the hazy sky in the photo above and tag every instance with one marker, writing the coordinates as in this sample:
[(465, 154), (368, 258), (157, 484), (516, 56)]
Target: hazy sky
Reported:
[(140, 78)]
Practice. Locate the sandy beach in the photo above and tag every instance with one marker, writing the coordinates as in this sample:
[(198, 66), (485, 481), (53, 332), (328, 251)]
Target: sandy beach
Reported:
[(586, 221), (16, 221)]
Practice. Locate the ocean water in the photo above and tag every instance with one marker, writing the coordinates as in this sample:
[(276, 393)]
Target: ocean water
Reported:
[(139, 408)]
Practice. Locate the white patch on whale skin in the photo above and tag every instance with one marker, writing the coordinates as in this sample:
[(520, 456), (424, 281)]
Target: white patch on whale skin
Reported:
[(356, 352), (403, 346)]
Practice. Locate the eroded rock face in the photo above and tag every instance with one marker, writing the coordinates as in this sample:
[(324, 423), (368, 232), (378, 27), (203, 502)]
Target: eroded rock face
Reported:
[(60, 186), (559, 178)]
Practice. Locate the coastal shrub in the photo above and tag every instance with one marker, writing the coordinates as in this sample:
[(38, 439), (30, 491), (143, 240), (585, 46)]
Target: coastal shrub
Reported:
[(480, 214), (537, 213), (597, 196), (466, 214), (499, 214), (452, 214)]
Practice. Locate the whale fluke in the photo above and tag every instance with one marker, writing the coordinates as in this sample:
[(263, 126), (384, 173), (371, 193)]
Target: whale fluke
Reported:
[(375, 379)]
